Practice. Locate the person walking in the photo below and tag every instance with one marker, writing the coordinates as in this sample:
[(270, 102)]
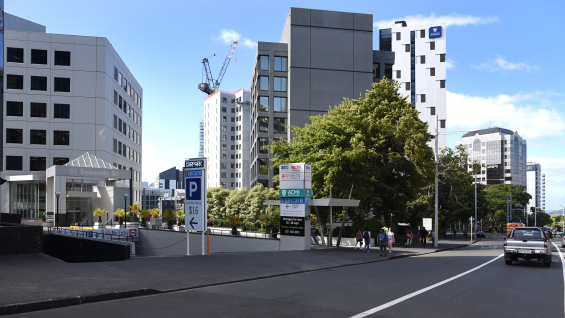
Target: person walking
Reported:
[(367, 238), (382, 240), (359, 237), (409, 235), (390, 239), (432, 233), (423, 236)]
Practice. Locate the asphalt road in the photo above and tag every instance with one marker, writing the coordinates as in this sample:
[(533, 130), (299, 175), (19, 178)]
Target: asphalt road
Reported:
[(446, 284)]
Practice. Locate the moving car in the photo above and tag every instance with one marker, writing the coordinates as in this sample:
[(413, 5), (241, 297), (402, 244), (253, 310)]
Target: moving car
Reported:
[(481, 234), (527, 243)]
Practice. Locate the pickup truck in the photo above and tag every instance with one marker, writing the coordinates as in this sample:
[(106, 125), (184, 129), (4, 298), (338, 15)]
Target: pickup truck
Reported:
[(527, 243)]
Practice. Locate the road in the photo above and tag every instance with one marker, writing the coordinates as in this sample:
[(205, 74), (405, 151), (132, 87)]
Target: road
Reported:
[(467, 282)]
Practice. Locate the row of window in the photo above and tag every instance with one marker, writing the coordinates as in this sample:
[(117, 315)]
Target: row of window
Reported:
[(279, 84), (38, 83), (130, 111), (16, 55), (123, 83), (35, 163), (422, 34), (279, 124), (16, 109), (280, 63), (124, 150), (37, 136), (280, 104), (129, 132)]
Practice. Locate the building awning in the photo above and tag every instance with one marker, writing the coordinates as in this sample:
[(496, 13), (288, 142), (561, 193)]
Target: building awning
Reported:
[(89, 161)]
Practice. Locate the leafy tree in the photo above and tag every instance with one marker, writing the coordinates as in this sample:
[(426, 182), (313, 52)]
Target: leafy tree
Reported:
[(557, 220), (542, 219), (254, 202), (216, 202), (235, 203), (377, 143), (496, 196)]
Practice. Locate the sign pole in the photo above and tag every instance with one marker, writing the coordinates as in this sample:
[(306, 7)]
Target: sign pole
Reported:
[(187, 242)]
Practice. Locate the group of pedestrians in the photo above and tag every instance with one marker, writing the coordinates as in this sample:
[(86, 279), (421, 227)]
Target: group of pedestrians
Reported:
[(384, 239)]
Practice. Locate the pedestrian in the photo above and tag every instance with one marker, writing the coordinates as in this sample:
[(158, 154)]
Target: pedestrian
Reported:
[(423, 236), (382, 240), (454, 232), (409, 236), (432, 235), (359, 237), (390, 239), (367, 238), (405, 237)]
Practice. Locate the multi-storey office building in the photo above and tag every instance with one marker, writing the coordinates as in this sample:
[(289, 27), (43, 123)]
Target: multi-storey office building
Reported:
[(323, 57), (226, 138), (419, 65), (534, 186), (65, 96), (501, 154)]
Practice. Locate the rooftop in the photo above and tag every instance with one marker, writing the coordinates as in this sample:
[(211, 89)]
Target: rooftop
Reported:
[(488, 131)]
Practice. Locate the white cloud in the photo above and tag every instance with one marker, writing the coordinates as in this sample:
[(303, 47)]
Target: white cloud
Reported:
[(230, 36), (449, 63), (450, 19), (525, 113), (500, 64), (552, 168)]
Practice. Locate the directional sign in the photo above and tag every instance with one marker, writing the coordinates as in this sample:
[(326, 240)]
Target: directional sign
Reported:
[(292, 226), (295, 193), (293, 201), (195, 198), (289, 209)]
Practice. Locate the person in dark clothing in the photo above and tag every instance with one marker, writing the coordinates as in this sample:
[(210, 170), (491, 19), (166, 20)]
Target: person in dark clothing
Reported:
[(423, 236)]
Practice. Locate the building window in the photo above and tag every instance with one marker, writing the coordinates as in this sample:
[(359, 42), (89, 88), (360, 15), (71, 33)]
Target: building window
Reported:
[(120, 101), (224, 100), (432, 45), (280, 64), (224, 109), (223, 166), (376, 70), (223, 176), (397, 36), (264, 103), (280, 105), (63, 58), (60, 138), (442, 57), (59, 161), (280, 84), (119, 147), (422, 34), (38, 110), (385, 41), (423, 59), (432, 111), (15, 55), (263, 166), (38, 137), (224, 128), (433, 71), (62, 84), (224, 137), (442, 124), (398, 74), (14, 163), (15, 81), (63, 111), (124, 151), (38, 56), (263, 83), (388, 71), (38, 83), (263, 124), (115, 146), (120, 125), (423, 98), (224, 119), (232, 147), (15, 109), (263, 62), (406, 47), (116, 98), (279, 125), (14, 136), (407, 86), (115, 73), (263, 143), (37, 163), (442, 84)]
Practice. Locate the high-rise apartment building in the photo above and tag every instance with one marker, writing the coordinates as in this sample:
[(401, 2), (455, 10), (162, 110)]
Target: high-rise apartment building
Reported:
[(65, 96), (419, 65), (501, 154), (534, 186), (226, 138)]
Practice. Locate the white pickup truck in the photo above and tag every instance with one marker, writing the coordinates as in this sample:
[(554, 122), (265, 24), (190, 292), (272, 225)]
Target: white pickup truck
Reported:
[(527, 243)]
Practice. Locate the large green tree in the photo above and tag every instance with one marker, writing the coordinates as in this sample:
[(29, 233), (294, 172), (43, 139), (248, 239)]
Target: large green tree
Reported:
[(497, 195), (377, 143)]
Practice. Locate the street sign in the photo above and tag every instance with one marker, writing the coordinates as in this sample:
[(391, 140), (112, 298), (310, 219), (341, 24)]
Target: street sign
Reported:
[(195, 199), (293, 201), (295, 193), (292, 226), (427, 223), (290, 209)]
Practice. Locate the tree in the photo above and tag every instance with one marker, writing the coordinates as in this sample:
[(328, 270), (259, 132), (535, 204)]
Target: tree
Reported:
[(496, 196), (235, 203), (378, 143), (217, 201), (542, 219), (254, 202)]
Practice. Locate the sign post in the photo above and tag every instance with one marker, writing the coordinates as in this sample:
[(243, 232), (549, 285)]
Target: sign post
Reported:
[(295, 188), (195, 215)]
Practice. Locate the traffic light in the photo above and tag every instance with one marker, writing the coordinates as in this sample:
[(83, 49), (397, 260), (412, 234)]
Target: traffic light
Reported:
[(533, 209)]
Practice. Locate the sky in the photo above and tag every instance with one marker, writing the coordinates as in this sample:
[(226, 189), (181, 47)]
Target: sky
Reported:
[(505, 58)]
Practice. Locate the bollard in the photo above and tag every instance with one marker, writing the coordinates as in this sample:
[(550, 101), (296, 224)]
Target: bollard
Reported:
[(208, 244)]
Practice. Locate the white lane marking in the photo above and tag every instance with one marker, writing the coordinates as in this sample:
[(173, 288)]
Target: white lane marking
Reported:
[(563, 265), (416, 293)]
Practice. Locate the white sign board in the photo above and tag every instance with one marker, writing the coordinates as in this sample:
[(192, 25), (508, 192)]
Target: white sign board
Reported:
[(195, 200), (293, 207), (427, 223)]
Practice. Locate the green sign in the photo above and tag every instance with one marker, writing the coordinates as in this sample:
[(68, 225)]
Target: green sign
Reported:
[(295, 193)]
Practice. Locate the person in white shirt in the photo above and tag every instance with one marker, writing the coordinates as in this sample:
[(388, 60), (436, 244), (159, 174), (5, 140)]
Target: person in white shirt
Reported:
[(390, 237)]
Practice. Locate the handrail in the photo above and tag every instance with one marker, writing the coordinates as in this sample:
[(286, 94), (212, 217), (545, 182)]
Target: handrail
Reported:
[(226, 232), (96, 234)]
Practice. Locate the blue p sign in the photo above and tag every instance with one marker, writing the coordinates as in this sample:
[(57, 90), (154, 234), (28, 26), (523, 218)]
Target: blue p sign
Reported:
[(193, 190)]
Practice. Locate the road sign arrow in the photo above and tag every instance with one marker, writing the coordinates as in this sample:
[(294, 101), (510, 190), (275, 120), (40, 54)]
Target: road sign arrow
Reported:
[(192, 223), (287, 206)]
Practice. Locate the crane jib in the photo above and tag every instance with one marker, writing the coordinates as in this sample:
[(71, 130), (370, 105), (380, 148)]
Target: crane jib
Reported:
[(209, 85)]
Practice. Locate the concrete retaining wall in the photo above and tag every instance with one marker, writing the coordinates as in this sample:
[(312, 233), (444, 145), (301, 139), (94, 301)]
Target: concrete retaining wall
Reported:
[(168, 243), (345, 241)]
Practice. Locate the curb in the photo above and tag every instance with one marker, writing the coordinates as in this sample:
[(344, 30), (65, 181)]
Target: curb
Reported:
[(19, 308)]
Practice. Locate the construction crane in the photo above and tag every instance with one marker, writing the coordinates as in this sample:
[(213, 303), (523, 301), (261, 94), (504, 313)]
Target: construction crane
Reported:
[(209, 85)]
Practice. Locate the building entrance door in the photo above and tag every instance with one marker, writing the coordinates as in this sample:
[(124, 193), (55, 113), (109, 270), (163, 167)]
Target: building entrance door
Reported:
[(79, 211)]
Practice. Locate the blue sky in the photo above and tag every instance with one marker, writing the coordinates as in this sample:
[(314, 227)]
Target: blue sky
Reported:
[(506, 56)]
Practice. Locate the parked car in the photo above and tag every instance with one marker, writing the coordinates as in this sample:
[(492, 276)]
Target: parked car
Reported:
[(562, 241), (481, 234), (527, 243)]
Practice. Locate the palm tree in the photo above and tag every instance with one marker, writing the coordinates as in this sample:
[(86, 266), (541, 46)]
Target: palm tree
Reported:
[(121, 214), (133, 209), (169, 214), (99, 212), (144, 214)]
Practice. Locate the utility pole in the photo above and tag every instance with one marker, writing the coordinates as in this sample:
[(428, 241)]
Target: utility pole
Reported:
[(436, 230)]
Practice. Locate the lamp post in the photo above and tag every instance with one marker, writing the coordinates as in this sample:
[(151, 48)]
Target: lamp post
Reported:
[(125, 209), (58, 194)]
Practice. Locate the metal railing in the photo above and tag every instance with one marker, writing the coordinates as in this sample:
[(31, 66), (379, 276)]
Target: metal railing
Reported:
[(222, 232), (90, 234)]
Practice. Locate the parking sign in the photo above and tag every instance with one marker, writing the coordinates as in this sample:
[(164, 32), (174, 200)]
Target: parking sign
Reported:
[(195, 197)]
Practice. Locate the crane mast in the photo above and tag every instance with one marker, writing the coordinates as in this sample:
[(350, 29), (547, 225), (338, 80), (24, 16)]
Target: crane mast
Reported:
[(209, 85)]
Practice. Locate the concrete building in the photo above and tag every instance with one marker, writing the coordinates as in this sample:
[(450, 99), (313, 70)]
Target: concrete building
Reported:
[(501, 153), (419, 65), (66, 97), (226, 123), (323, 57), (534, 186)]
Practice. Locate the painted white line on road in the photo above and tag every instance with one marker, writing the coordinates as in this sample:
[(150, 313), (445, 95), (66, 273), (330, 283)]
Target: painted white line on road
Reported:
[(416, 293), (563, 265)]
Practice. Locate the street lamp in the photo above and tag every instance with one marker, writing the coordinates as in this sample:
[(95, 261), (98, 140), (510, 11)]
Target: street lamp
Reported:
[(58, 194), (125, 209)]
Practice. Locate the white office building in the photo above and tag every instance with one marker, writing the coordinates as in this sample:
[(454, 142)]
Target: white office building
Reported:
[(420, 67), (501, 153), (67, 97), (226, 138), (536, 185)]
